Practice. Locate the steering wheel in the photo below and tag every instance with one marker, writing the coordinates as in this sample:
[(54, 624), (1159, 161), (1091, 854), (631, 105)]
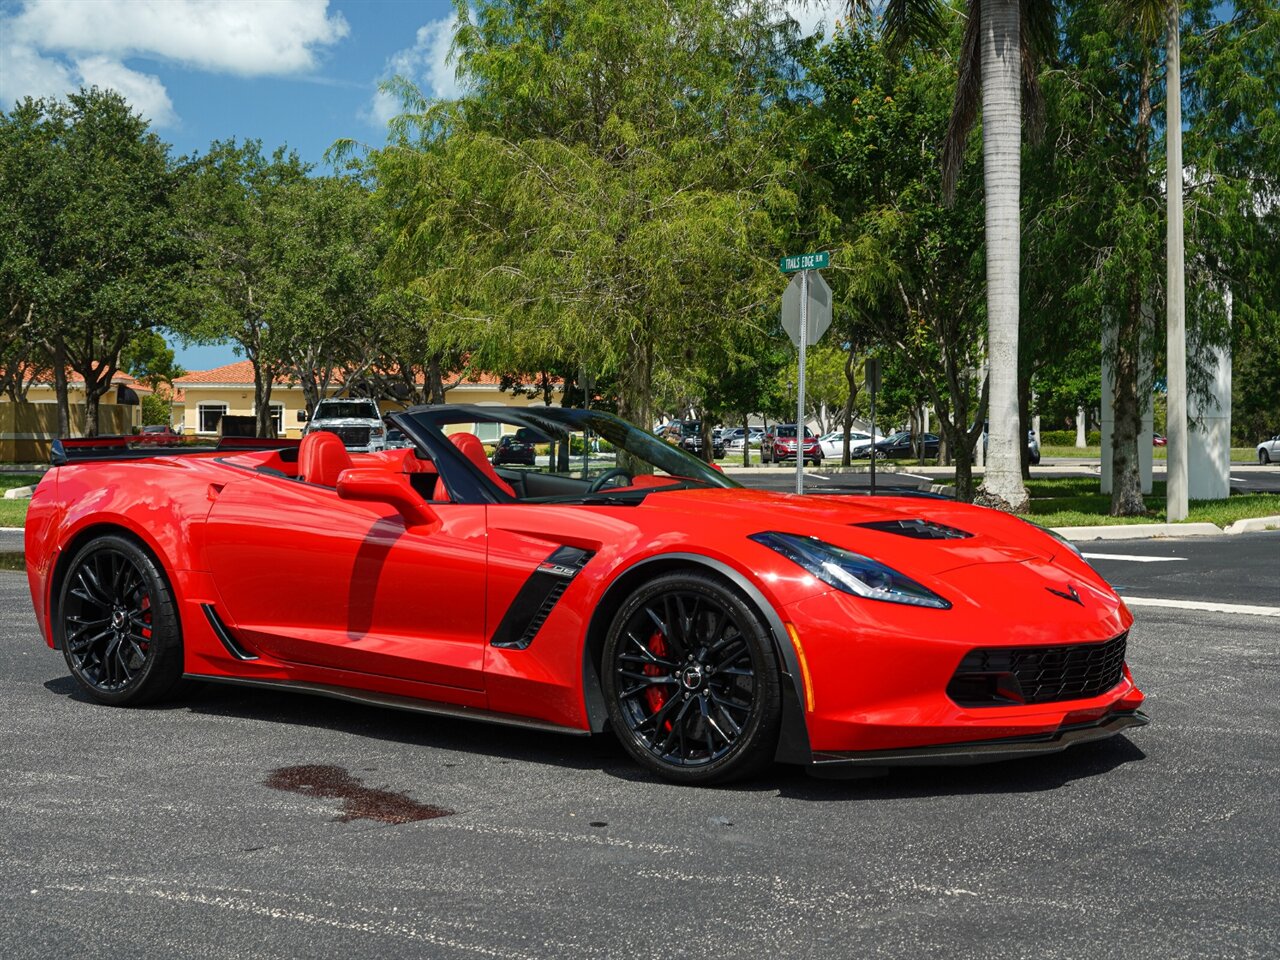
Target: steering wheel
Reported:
[(598, 483)]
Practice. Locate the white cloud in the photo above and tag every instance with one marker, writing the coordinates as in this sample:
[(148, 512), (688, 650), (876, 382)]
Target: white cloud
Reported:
[(426, 63), (145, 93), (50, 47), (246, 37)]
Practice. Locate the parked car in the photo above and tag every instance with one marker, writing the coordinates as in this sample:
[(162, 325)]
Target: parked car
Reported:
[(779, 445), (691, 440), (157, 433), (514, 448), (1269, 451), (833, 443), (734, 439), (357, 423), (898, 446), (1033, 445), (1158, 441), (396, 440), (438, 583)]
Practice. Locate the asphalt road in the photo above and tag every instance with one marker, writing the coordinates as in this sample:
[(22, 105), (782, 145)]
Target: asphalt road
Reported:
[(164, 832)]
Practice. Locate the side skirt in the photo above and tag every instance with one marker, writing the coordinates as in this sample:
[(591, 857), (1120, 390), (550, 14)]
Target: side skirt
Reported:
[(394, 702)]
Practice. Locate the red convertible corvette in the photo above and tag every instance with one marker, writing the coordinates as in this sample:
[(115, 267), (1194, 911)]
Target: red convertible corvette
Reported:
[(618, 581)]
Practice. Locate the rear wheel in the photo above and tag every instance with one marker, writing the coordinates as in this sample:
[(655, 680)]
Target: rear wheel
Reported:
[(117, 623), (691, 682)]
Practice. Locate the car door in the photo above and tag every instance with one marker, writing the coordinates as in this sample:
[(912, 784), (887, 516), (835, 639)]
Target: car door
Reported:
[(306, 577)]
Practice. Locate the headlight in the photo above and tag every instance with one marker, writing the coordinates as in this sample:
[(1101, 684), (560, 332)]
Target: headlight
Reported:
[(375, 431), (851, 572)]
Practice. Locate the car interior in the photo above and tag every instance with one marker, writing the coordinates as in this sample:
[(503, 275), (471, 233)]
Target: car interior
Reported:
[(321, 458)]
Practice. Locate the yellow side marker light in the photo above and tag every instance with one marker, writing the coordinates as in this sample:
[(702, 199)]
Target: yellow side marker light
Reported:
[(804, 667)]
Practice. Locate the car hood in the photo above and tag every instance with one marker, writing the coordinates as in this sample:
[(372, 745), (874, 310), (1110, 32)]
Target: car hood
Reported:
[(995, 537)]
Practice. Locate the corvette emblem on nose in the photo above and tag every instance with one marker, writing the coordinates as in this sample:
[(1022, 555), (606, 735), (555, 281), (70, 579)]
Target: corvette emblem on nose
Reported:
[(1068, 594)]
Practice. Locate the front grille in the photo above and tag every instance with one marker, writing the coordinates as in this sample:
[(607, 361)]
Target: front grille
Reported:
[(999, 676), (350, 436)]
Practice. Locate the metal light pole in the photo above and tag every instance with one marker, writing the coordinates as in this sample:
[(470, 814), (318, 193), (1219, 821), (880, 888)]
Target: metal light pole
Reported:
[(804, 339), (1176, 487)]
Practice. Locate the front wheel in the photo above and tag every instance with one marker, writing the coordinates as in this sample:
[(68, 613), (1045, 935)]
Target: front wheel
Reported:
[(117, 623), (1263, 458), (691, 681)]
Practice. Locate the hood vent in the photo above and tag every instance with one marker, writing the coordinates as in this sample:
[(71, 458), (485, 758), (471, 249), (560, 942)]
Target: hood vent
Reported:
[(917, 529)]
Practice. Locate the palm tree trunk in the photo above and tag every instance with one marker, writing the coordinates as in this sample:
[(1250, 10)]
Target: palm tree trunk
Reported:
[(1002, 485)]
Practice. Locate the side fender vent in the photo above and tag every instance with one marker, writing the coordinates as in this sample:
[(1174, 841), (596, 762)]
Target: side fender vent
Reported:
[(538, 597)]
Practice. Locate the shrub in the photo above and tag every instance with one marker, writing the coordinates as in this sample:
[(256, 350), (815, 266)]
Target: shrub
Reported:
[(1067, 438)]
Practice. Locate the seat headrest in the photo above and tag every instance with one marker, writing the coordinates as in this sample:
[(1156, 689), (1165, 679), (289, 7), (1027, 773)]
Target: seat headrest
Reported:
[(321, 458), (469, 445)]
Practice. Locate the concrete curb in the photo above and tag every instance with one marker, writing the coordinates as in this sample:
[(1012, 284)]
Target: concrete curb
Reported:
[(1253, 525), (19, 493), (1138, 531)]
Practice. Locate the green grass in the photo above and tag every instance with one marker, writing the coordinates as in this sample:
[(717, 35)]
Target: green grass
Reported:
[(1243, 454), (1076, 502), (13, 513), (12, 561)]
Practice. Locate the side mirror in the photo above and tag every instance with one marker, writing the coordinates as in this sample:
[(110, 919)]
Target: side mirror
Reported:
[(302, 416), (373, 485)]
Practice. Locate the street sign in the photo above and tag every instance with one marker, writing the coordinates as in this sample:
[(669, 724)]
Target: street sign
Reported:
[(819, 308), (805, 261), (871, 367)]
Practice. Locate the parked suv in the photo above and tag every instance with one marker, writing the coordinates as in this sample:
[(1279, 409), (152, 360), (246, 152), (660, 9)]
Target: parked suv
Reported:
[(691, 439), (515, 448), (357, 423), (779, 444)]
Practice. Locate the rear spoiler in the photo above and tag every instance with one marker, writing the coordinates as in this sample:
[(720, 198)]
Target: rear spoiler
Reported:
[(141, 447)]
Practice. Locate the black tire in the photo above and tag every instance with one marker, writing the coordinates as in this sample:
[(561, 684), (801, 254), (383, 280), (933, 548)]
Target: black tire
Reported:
[(1263, 458), (691, 681), (117, 623)]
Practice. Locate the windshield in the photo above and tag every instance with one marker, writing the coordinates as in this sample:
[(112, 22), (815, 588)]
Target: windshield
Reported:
[(555, 454), (790, 431), (346, 409)]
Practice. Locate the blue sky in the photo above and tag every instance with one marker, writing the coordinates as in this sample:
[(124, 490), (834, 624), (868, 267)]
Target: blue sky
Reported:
[(297, 72)]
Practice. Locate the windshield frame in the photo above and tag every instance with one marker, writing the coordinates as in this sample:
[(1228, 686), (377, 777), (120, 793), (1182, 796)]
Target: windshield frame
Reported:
[(466, 483)]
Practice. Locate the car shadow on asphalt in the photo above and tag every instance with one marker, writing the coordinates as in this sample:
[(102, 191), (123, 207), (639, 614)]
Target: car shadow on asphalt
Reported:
[(603, 753)]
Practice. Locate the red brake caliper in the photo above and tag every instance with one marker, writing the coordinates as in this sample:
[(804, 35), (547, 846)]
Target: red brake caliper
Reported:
[(656, 695)]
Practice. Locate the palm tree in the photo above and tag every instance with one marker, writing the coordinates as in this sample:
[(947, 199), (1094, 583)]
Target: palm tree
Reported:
[(1003, 41), (1151, 18)]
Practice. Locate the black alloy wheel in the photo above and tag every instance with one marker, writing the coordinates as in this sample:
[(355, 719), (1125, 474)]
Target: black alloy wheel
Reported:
[(117, 623), (691, 681)]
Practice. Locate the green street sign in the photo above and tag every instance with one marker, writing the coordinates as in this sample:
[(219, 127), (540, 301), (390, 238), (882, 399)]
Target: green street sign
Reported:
[(805, 261)]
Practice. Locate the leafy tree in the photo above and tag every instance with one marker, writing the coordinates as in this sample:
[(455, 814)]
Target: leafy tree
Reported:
[(1109, 163), (149, 359), (917, 261), (611, 188), (91, 255), (1002, 44), (241, 214)]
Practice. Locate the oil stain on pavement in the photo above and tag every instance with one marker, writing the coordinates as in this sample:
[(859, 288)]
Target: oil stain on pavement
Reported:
[(358, 801)]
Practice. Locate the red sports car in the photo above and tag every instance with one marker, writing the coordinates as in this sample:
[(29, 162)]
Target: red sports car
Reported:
[(618, 581)]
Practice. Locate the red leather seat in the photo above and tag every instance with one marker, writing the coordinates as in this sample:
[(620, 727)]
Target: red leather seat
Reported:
[(471, 447), (321, 457)]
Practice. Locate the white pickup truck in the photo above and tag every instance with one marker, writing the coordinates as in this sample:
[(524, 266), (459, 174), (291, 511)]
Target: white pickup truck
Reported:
[(358, 423)]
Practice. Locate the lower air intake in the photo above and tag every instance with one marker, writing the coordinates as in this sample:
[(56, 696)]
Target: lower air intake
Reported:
[(1000, 676)]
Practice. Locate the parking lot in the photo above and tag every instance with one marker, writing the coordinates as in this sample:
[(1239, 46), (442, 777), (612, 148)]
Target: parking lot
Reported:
[(238, 823)]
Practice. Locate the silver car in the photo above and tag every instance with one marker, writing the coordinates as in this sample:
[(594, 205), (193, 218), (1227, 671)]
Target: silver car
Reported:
[(1269, 451)]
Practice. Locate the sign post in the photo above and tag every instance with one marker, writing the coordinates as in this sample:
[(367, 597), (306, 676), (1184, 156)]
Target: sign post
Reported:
[(872, 369), (806, 314)]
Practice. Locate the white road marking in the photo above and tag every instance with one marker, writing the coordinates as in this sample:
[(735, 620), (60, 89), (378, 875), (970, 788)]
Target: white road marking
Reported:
[(1128, 556), (1245, 608)]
